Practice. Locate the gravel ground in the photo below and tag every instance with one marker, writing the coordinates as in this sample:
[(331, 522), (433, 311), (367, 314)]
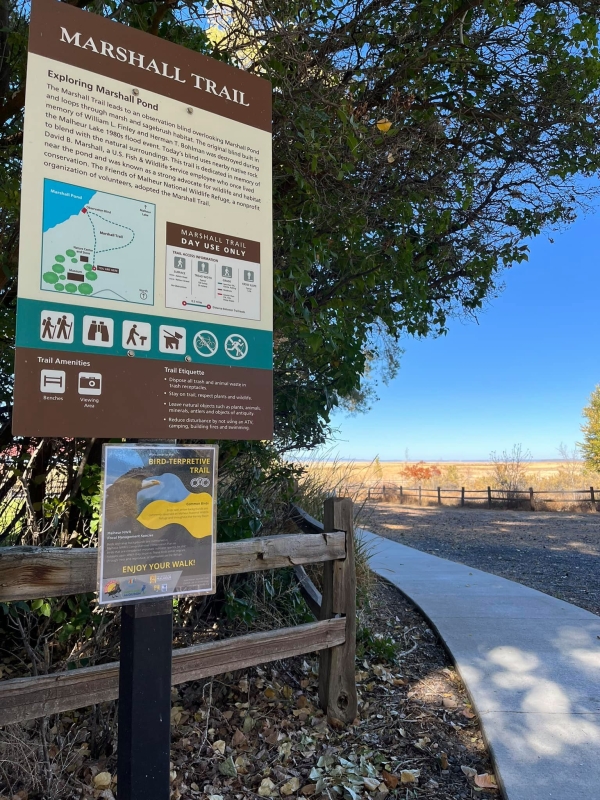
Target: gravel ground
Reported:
[(557, 553)]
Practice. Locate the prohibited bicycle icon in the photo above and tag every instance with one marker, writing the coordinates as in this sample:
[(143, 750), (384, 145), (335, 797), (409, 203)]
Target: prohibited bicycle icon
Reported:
[(206, 343), (236, 346)]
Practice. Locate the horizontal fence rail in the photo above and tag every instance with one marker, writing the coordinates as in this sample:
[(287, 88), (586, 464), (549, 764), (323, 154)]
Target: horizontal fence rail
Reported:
[(27, 698), (29, 573), (490, 495)]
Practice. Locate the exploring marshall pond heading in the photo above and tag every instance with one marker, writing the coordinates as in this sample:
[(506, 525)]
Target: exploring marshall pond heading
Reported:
[(145, 272)]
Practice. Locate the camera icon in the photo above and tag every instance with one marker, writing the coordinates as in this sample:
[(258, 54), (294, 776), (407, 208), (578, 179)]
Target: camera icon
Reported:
[(90, 383)]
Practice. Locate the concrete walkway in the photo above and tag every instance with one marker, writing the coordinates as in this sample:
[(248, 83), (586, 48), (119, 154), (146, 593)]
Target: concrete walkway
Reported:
[(530, 662)]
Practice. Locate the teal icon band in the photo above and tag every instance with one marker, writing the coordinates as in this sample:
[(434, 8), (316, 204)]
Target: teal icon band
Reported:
[(259, 351)]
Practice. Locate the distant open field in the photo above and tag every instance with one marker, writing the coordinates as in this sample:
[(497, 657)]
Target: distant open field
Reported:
[(562, 484), (470, 474)]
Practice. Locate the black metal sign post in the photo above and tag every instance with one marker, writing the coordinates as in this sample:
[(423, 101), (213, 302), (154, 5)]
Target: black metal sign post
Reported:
[(144, 738)]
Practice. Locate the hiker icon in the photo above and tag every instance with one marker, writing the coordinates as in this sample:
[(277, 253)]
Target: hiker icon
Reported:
[(227, 272), (136, 335), (172, 339), (56, 326)]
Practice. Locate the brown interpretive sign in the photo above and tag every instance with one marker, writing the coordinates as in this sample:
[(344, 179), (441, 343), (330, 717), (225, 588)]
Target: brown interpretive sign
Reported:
[(158, 522), (145, 305)]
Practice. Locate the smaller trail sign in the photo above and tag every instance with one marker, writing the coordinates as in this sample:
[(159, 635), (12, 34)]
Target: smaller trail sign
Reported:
[(158, 522)]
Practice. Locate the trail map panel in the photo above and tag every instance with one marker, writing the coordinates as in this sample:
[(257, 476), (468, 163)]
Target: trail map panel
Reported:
[(98, 245), (145, 294)]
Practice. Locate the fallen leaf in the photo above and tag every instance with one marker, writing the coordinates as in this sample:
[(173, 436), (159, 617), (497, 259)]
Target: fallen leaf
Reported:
[(449, 702), (466, 712), (290, 787), (285, 750), (287, 692), (391, 781), (238, 739), (102, 780), (371, 784), (302, 702), (309, 789), (274, 736), (241, 764), (228, 768), (443, 759), (219, 746), (267, 788), (269, 693), (485, 781), (409, 775)]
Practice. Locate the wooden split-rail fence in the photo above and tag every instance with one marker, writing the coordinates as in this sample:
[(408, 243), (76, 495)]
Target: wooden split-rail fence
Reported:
[(28, 573), (489, 496)]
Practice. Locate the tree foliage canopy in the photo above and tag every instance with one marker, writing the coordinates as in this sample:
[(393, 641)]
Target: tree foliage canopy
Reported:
[(590, 447), (417, 146)]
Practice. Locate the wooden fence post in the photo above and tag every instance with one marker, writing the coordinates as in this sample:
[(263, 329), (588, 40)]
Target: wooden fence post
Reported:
[(593, 498), (439, 496), (401, 497), (462, 495), (489, 497), (337, 680), (420, 495), (531, 501)]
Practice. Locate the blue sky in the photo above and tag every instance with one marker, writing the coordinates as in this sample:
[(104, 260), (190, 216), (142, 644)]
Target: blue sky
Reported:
[(521, 374)]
